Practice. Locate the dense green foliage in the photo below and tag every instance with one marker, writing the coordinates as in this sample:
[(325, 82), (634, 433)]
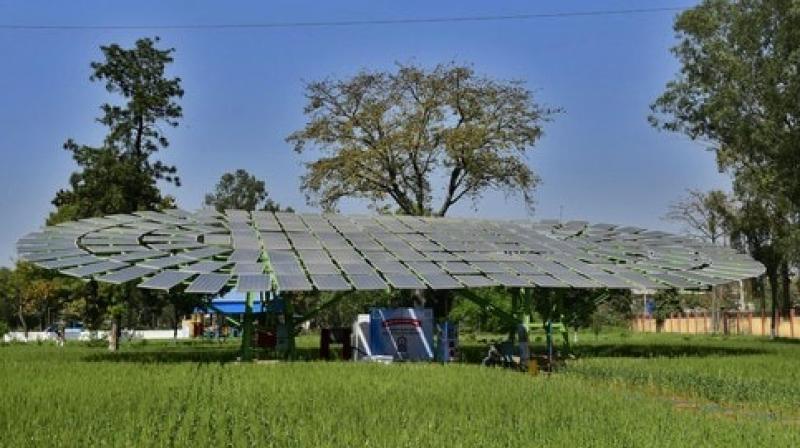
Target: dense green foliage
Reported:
[(737, 92), (387, 136), (242, 190), (120, 175), (664, 391)]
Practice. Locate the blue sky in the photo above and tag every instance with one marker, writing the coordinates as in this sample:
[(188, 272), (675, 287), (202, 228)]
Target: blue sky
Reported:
[(600, 160)]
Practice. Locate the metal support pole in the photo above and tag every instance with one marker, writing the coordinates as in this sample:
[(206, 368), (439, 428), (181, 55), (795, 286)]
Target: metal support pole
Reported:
[(741, 296), (288, 316), (549, 332), (515, 305), (247, 329)]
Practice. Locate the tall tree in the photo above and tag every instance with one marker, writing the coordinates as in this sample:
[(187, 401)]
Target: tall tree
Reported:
[(738, 87), (737, 90), (6, 296), (242, 190), (120, 175), (757, 227), (390, 135), (702, 214)]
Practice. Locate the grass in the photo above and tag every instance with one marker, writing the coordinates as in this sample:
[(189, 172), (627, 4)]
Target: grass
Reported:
[(640, 390)]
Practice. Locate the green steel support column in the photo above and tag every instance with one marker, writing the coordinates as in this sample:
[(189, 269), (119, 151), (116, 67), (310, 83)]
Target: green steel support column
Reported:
[(549, 333), (527, 295), (247, 329), (288, 313), (515, 305)]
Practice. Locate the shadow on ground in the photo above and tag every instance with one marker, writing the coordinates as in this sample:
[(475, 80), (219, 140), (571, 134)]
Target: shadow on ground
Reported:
[(661, 350), (189, 355), (470, 353), (195, 355), (474, 354)]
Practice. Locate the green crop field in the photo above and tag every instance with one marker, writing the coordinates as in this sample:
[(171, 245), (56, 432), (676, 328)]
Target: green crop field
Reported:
[(638, 390)]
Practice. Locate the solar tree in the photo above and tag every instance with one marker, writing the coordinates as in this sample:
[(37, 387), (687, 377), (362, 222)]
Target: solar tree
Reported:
[(268, 256)]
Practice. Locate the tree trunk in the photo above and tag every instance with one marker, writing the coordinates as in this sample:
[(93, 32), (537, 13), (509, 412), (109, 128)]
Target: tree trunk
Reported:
[(759, 285), (113, 335), (716, 309), (22, 321), (786, 290), (772, 275), (175, 324)]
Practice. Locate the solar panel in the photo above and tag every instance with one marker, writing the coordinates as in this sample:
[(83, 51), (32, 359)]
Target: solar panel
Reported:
[(49, 246), (217, 239), (675, 281), (510, 280), (247, 268), (275, 241), (422, 267), (288, 269), (703, 277), (475, 256), (366, 245), (95, 268), (313, 256), (441, 256), (489, 266), (208, 283), (62, 253), (292, 282), (176, 246), (380, 255), (545, 281), (367, 282), (68, 262), (281, 256), (205, 267), (125, 275), (322, 268), (573, 279), (521, 267), (638, 279), (441, 281), (409, 255), (166, 262), (476, 281), (390, 266), (138, 256), (254, 283), (346, 256), (458, 267), (330, 282), (306, 242), (246, 255), (165, 280), (356, 268), (611, 281), (205, 252), (104, 250), (404, 281)]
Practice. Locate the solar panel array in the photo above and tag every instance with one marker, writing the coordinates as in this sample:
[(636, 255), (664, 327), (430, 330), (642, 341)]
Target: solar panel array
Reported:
[(206, 252)]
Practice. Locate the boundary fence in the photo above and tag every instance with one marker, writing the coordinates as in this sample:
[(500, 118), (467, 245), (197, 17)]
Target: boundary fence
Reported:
[(730, 322)]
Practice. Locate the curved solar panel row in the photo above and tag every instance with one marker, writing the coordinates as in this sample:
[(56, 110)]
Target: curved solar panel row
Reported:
[(262, 251)]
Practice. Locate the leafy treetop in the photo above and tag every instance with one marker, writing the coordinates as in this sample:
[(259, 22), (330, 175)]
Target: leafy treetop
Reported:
[(242, 190), (387, 135), (120, 175)]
